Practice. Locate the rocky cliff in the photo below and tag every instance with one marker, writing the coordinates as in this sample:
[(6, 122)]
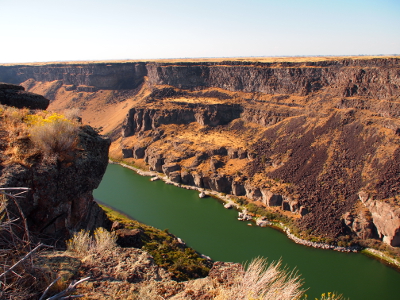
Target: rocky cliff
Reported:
[(15, 95), (304, 136), (59, 200)]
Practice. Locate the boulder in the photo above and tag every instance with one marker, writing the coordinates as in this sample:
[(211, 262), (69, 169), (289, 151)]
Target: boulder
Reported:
[(233, 153), (271, 199), (286, 205), (361, 224), (129, 237), (253, 192), (154, 159), (127, 153), (303, 211), (175, 176), (172, 167), (138, 152)]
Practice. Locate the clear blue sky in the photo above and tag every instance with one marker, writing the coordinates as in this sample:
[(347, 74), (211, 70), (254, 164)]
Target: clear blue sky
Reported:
[(60, 30)]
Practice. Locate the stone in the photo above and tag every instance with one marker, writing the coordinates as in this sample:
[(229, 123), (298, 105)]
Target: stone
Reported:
[(127, 153), (175, 176), (139, 152), (303, 211), (253, 192), (129, 237), (228, 205), (286, 205), (238, 189), (271, 199), (186, 177), (172, 167)]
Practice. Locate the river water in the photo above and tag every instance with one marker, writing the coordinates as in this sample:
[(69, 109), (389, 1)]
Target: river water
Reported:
[(215, 231)]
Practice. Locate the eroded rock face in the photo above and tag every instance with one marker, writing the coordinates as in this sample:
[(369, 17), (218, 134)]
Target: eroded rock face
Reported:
[(60, 199), (88, 77), (386, 218), (142, 119), (353, 77)]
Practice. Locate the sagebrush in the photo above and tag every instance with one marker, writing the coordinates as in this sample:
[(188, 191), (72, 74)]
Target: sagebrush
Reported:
[(265, 281), (54, 135), (85, 244)]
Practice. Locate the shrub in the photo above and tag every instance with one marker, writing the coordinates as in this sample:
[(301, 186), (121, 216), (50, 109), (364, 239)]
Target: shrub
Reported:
[(72, 113), (262, 281), (54, 135), (331, 296), (104, 240), (80, 243), (84, 244)]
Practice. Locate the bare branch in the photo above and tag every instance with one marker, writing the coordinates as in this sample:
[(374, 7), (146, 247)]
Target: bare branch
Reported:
[(14, 188), (21, 260), (48, 288), (18, 207), (64, 294)]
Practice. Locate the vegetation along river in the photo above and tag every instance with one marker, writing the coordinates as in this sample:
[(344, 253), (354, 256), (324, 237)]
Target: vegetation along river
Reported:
[(215, 231)]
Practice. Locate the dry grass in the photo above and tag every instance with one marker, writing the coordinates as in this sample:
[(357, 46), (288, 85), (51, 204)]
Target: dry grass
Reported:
[(84, 245), (265, 282)]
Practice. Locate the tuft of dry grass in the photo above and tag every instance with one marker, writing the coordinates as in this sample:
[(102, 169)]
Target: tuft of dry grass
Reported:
[(265, 281), (84, 245)]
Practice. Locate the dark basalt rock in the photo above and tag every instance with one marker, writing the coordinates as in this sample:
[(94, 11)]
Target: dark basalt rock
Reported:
[(129, 237), (60, 199), (15, 95)]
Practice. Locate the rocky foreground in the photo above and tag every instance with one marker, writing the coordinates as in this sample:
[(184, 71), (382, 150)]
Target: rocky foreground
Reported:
[(129, 273)]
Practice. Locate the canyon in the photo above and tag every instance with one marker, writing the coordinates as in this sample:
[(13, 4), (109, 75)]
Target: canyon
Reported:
[(315, 139)]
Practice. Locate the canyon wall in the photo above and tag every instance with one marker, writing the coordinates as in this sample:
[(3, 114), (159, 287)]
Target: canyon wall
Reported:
[(304, 136), (98, 76), (377, 78)]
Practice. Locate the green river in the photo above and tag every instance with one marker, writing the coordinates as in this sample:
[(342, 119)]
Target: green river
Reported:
[(215, 231)]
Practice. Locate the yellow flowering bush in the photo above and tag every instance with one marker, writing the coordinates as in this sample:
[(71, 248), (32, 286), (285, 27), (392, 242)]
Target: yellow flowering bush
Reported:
[(54, 134)]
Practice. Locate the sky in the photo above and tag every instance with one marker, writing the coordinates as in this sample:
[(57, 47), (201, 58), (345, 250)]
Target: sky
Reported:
[(60, 30)]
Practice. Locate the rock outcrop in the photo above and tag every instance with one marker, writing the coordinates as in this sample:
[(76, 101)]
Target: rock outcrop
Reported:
[(386, 218), (15, 95), (60, 199)]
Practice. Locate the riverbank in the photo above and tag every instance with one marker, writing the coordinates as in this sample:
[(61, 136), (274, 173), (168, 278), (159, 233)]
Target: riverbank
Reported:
[(386, 259), (165, 248), (231, 203)]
